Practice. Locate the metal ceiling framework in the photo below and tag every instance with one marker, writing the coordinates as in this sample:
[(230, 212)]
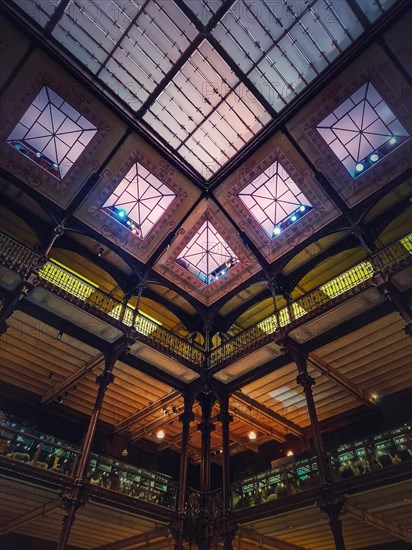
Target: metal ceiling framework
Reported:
[(210, 129)]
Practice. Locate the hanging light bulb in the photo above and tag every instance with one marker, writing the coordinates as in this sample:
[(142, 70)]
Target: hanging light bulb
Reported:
[(160, 434), (252, 434)]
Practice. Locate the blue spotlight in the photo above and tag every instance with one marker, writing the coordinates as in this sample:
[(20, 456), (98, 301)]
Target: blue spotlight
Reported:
[(392, 141), (374, 157), (302, 208), (359, 167), (121, 213), (294, 218), (277, 230)]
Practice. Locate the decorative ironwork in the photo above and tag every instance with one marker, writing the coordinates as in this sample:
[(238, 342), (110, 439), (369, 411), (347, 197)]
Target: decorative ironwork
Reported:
[(207, 256), (139, 201), (275, 200), (52, 133), (387, 260), (362, 130), (61, 282)]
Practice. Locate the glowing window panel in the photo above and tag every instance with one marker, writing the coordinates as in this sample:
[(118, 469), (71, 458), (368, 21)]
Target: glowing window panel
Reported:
[(52, 133), (362, 130), (275, 200), (374, 8), (207, 256), (139, 201)]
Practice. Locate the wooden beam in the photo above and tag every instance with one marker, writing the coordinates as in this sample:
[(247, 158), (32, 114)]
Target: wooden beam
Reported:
[(342, 380), (261, 426), (238, 440), (264, 541), (91, 364), (375, 520), (249, 402), (144, 538), (146, 429), (147, 411), (30, 516)]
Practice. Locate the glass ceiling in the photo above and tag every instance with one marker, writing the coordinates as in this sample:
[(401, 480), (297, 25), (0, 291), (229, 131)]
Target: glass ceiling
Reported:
[(362, 130), (52, 133), (205, 75), (207, 256), (275, 200), (139, 201)]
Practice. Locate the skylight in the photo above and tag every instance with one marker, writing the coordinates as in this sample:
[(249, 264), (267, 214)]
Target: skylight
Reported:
[(52, 133), (275, 200), (362, 130), (207, 256), (139, 201), (205, 113)]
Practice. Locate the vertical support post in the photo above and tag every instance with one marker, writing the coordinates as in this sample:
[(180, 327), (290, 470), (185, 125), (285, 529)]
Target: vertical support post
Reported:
[(328, 503), (185, 419), (75, 497), (226, 418), (206, 428)]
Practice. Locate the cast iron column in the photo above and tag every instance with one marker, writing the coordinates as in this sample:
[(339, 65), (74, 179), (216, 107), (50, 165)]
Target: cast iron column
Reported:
[(185, 419), (206, 427), (75, 497), (226, 418), (328, 503)]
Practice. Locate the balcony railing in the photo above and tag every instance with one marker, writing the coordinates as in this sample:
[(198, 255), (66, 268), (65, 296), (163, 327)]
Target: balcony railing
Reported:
[(355, 459), (386, 260), (71, 288), (48, 453), (87, 296)]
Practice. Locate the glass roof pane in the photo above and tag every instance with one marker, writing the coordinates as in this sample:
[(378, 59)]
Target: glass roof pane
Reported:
[(139, 201), (207, 256), (282, 46), (52, 133), (39, 10), (362, 130), (186, 109), (275, 200)]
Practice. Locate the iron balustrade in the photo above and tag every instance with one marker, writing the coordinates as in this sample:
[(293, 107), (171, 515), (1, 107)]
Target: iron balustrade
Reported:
[(262, 332), (366, 455), (49, 453), (72, 288)]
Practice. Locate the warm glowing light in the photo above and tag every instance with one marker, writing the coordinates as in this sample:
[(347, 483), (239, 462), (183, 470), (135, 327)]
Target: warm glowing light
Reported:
[(289, 452), (374, 396), (160, 434), (252, 435), (374, 157)]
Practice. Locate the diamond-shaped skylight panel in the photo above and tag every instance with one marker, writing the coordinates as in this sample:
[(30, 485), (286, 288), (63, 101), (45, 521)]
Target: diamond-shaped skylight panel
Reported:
[(205, 113), (362, 130), (284, 45), (139, 201), (275, 200), (129, 48), (52, 133), (207, 256)]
